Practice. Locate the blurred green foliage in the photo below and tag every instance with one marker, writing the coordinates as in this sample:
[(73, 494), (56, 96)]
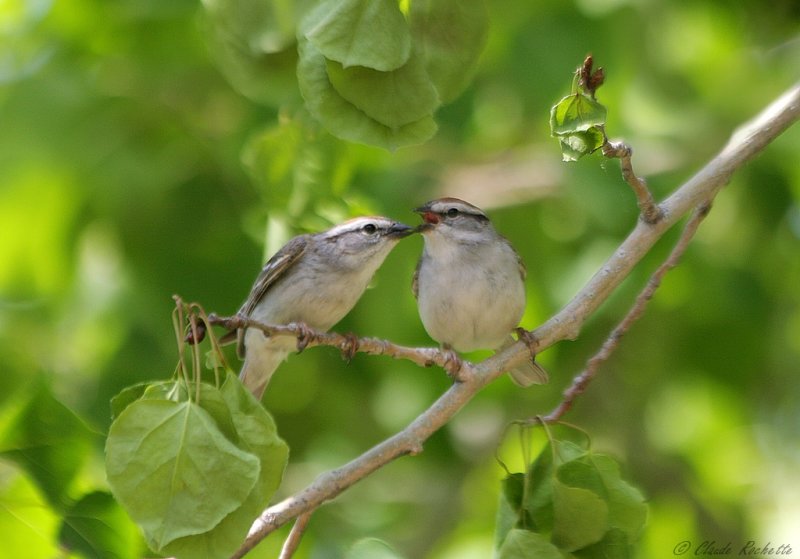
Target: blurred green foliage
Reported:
[(139, 159)]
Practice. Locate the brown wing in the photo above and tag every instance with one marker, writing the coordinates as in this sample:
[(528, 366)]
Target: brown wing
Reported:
[(270, 273)]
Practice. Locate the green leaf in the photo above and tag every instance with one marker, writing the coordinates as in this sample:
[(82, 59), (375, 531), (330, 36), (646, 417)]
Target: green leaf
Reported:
[(509, 509), (539, 497), (627, 507), (262, 26), (614, 545), (27, 523), (371, 33), (97, 527), (580, 517), (392, 98), (574, 146), (345, 120), (161, 390), (576, 113), (371, 548), (258, 435), (47, 440), (172, 469), (523, 544), (451, 35)]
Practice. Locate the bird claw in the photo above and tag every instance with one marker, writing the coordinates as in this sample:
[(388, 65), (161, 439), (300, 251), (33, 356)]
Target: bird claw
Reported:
[(453, 364), (305, 336), (529, 339), (349, 347)]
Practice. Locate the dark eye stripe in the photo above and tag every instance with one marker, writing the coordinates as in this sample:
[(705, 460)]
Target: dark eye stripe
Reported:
[(452, 212)]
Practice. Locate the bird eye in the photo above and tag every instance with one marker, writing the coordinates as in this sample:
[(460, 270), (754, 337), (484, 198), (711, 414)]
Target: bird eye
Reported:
[(369, 229), (452, 212)]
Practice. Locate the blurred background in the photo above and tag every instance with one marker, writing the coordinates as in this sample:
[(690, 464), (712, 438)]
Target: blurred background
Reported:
[(136, 163)]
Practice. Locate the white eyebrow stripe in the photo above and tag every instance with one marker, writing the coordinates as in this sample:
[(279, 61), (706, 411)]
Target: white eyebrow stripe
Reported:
[(357, 223)]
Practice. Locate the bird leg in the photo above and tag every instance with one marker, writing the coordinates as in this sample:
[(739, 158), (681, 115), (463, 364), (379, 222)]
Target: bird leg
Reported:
[(452, 363), (305, 335), (529, 339), (349, 347)]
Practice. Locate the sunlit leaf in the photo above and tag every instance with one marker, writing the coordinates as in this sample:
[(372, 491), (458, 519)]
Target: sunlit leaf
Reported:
[(98, 528), (371, 33), (576, 113), (173, 470), (27, 523), (576, 145), (47, 440)]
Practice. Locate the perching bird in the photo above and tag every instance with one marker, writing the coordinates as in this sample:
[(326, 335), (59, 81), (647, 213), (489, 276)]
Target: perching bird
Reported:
[(469, 283), (315, 279)]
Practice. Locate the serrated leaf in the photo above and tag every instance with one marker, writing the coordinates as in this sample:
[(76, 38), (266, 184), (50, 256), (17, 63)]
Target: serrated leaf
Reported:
[(172, 469), (451, 35), (98, 528), (258, 435), (580, 517), (574, 146), (343, 119), (371, 33), (576, 113), (524, 544), (47, 440), (393, 98)]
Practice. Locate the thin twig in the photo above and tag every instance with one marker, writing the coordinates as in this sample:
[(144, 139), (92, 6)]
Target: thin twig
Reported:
[(293, 541), (582, 380), (423, 356), (650, 211)]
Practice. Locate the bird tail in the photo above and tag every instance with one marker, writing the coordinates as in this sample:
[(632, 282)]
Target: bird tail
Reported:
[(260, 361), (530, 372)]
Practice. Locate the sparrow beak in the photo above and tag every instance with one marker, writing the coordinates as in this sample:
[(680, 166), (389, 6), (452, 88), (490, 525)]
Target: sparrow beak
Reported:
[(400, 230)]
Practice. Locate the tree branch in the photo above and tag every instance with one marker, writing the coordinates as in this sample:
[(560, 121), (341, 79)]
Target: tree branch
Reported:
[(566, 324)]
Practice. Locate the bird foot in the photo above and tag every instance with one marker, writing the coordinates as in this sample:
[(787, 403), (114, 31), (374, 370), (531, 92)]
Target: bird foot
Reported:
[(529, 339), (453, 364), (305, 335), (349, 347)]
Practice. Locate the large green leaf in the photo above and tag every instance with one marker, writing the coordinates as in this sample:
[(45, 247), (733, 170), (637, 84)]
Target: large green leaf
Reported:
[(524, 544), (627, 508), (393, 98), (46, 439), (580, 517), (451, 35), (345, 120), (262, 26), (371, 33), (257, 434), (173, 470), (97, 527)]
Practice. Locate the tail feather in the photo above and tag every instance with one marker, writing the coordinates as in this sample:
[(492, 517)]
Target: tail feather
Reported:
[(262, 357), (529, 372)]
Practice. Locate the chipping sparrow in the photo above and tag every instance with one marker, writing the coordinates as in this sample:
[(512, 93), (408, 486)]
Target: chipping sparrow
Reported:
[(469, 283), (315, 279)]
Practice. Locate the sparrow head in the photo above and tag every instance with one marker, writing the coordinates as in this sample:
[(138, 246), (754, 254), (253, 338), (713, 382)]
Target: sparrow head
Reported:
[(363, 241), (452, 217)]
